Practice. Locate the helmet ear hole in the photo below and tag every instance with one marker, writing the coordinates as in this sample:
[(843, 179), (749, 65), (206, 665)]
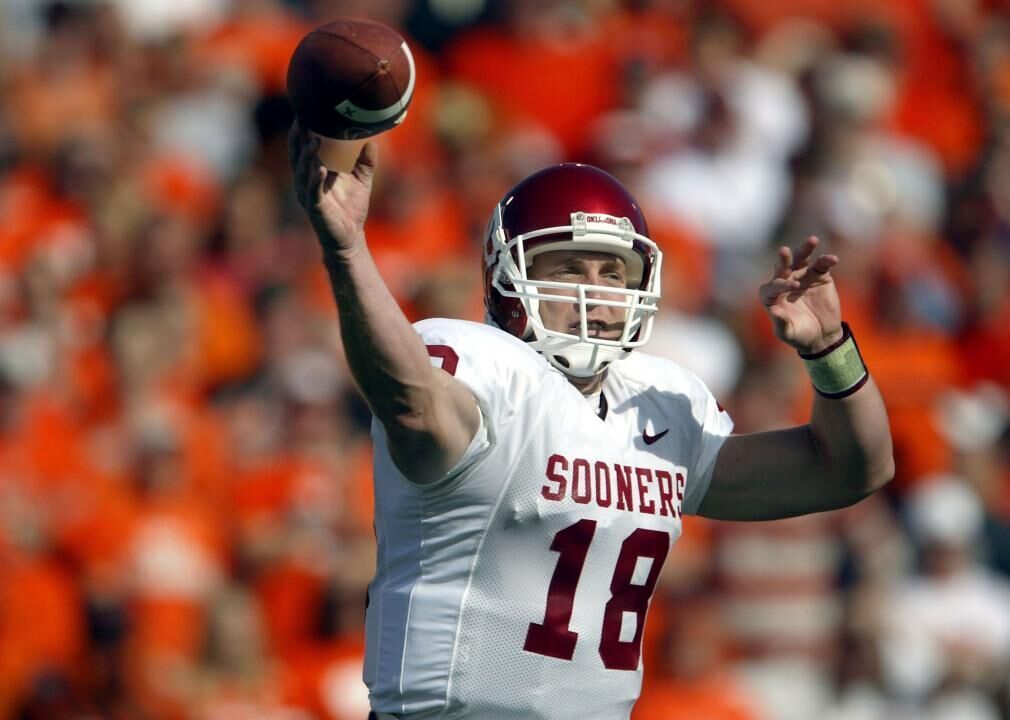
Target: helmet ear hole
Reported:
[(561, 360), (506, 312)]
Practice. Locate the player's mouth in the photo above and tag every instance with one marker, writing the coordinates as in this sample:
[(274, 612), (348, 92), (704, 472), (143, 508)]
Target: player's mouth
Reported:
[(598, 329)]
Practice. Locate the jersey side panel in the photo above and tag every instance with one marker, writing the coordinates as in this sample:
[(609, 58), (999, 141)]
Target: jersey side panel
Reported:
[(427, 537)]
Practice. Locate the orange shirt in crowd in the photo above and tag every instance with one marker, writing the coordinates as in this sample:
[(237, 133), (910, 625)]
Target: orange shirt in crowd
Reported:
[(34, 216), (258, 43), (41, 624), (561, 84), (61, 97)]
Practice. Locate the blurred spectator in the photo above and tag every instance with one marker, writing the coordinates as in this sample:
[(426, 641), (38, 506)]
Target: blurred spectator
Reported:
[(547, 64), (734, 125), (696, 678), (782, 584), (944, 638)]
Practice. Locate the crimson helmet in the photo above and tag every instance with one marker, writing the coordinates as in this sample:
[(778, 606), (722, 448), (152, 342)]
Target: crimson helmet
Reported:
[(570, 207)]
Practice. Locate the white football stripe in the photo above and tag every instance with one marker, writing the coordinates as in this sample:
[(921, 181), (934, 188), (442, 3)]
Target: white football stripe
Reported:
[(352, 112)]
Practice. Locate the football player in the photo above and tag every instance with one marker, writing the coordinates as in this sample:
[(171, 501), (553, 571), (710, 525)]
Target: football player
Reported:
[(532, 472)]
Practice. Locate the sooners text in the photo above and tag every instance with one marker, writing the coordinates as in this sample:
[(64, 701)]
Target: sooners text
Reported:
[(608, 484)]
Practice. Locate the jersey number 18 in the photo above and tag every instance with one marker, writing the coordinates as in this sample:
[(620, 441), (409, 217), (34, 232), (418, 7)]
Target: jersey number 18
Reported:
[(553, 638)]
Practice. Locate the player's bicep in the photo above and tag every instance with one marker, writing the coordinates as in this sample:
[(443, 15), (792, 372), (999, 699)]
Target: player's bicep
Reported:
[(427, 446)]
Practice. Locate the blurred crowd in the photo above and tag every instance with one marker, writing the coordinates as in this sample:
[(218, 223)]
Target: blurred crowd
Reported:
[(185, 497)]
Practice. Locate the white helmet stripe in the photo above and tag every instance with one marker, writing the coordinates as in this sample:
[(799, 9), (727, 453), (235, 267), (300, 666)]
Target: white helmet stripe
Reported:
[(354, 112)]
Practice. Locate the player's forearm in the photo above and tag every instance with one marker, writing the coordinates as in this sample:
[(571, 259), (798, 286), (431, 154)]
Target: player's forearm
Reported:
[(386, 356), (853, 439), (842, 455)]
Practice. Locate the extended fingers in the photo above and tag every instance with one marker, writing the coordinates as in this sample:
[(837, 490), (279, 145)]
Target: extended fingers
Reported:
[(308, 159), (303, 154), (302, 146), (818, 269), (802, 255), (772, 290), (787, 261), (824, 263), (795, 272), (300, 143), (783, 262), (796, 264)]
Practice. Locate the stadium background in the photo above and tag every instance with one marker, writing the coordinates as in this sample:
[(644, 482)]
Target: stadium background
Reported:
[(184, 467)]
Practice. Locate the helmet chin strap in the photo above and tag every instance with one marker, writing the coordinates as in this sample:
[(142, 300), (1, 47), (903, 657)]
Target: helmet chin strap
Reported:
[(579, 359)]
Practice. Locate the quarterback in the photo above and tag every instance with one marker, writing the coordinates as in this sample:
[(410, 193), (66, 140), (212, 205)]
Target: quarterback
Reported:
[(532, 472)]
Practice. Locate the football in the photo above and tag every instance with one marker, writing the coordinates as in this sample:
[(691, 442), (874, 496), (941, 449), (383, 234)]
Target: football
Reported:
[(351, 79)]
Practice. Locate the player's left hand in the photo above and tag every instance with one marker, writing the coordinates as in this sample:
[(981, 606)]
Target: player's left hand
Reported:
[(801, 298)]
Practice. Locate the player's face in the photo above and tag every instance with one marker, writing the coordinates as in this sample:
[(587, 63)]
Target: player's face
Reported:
[(579, 267)]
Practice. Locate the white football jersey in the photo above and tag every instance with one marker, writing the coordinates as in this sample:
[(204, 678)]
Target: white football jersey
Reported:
[(517, 587)]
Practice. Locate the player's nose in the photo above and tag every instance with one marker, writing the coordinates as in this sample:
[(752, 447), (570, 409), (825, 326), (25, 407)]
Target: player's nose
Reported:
[(595, 279), (599, 291)]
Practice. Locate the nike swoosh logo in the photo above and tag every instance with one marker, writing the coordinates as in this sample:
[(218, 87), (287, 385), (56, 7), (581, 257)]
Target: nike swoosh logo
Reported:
[(649, 439)]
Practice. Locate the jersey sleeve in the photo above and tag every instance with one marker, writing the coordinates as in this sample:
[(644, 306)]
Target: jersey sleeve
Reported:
[(498, 369), (716, 426)]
